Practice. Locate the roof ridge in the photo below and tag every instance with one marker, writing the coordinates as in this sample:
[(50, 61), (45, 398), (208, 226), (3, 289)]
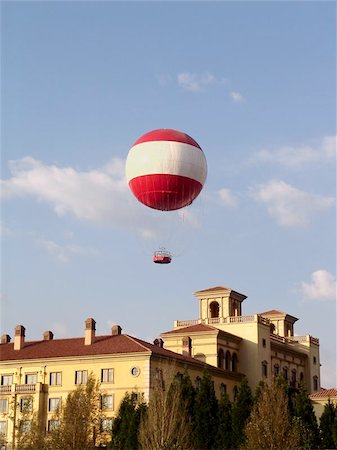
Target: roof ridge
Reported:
[(137, 342)]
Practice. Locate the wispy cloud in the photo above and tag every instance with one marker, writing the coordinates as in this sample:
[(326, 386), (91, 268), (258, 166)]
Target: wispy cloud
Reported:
[(195, 82), (322, 286), (289, 206), (227, 198), (100, 195), (237, 97), (64, 253), (299, 156)]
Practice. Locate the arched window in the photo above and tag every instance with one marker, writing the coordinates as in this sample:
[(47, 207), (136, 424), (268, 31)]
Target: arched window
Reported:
[(234, 362), (214, 309), (264, 368), (197, 382), (285, 373), (228, 360), (223, 389), (221, 357), (293, 378), (235, 391), (276, 370), (301, 377)]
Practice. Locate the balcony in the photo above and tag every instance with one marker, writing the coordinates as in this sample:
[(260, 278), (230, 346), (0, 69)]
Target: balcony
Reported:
[(7, 389), (25, 388), (305, 340), (255, 318)]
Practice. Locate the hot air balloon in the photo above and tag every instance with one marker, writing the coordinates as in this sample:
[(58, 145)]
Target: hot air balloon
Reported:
[(166, 170)]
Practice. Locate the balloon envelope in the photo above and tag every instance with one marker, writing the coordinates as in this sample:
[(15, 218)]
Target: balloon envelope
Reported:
[(166, 169)]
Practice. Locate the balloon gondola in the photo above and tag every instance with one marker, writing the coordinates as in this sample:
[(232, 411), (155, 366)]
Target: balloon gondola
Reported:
[(166, 170)]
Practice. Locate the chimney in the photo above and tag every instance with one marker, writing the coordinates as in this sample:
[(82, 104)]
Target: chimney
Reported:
[(116, 330), (187, 345), (5, 339), (19, 338), (159, 342), (48, 336), (90, 329)]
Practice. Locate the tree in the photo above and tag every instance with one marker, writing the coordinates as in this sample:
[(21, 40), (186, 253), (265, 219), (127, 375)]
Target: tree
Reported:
[(240, 412), (206, 414), (30, 433), (79, 420), (223, 439), (304, 414), (166, 424), (126, 425), (328, 425), (270, 425)]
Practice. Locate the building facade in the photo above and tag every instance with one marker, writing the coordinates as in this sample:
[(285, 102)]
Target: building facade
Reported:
[(229, 345)]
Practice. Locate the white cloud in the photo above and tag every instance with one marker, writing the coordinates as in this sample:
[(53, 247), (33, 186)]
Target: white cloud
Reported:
[(100, 195), (290, 206), (227, 198), (298, 156), (195, 82), (63, 253), (237, 97), (322, 286)]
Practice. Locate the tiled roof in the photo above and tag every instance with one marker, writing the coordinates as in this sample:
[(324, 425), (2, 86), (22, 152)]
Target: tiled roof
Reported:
[(70, 347), (324, 393), (73, 347), (273, 311), (199, 328), (216, 288)]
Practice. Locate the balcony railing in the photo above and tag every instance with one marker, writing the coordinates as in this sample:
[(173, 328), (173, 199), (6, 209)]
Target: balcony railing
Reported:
[(6, 389), (295, 339), (25, 388), (255, 318)]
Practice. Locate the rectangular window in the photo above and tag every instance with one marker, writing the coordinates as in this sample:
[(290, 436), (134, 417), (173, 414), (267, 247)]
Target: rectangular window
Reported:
[(30, 378), (26, 404), (6, 380), (53, 424), (107, 376), (106, 425), (54, 404), (81, 376), (25, 426), (263, 342), (55, 378), (3, 405), (107, 402), (3, 427)]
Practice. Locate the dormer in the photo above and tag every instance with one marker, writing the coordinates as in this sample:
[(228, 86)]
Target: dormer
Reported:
[(282, 323), (219, 302)]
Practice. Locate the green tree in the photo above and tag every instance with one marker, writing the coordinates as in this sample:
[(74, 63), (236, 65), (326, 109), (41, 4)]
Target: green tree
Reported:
[(223, 439), (328, 425), (79, 420), (270, 425), (240, 412), (188, 394), (305, 416), (205, 414), (126, 425)]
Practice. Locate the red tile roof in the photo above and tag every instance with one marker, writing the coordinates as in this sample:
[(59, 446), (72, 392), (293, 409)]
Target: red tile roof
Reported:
[(70, 347), (274, 311), (198, 328), (324, 393), (73, 347)]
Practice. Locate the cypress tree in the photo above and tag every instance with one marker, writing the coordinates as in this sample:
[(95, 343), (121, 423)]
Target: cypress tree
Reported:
[(126, 424), (328, 425), (240, 412), (205, 414), (305, 416), (223, 439)]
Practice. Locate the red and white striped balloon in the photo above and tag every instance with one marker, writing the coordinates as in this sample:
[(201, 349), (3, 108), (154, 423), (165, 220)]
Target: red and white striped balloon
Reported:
[(166, 169)]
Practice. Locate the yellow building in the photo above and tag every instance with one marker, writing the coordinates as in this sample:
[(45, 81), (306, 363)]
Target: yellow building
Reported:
[(321, 398), (227, 343), (258, 345), (45, 371)]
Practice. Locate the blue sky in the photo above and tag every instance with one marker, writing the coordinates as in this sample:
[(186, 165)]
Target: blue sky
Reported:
[(252, 82)]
